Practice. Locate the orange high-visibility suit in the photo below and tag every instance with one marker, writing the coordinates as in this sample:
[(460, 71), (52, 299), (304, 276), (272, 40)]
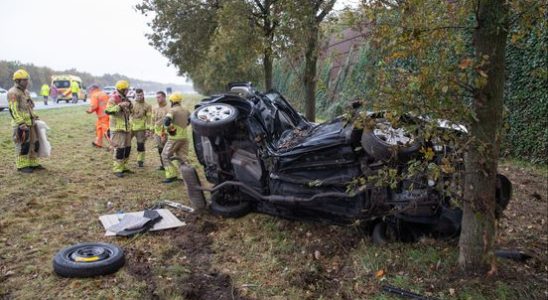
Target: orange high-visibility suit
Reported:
[(98, 102)]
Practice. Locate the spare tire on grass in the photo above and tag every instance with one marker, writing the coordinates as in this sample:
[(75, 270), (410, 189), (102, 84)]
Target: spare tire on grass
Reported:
[(88, 260)]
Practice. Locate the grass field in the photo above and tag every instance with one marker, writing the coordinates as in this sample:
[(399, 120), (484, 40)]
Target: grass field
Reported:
[(255, 257)]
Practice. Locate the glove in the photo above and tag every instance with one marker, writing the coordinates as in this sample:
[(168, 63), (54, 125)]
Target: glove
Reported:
[(171, 130)]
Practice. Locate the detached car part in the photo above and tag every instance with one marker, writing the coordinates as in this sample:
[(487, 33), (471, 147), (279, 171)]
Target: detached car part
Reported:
[(88, 260)]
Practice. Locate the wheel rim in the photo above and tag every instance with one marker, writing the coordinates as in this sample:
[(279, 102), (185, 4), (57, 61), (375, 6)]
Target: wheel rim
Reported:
[(215, 113), (87, 254), (392, 136)]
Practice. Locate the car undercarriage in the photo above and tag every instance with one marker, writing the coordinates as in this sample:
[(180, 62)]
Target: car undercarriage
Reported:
[(262, 156)]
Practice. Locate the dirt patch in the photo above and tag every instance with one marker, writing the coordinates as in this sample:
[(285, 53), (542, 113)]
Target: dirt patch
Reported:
[(329, 241), (140, 268), (525, 221), (204, 281)]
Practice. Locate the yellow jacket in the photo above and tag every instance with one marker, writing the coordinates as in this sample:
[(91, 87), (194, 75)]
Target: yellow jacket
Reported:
[(21, 107), (44, 90), (179, 121), (141, 116), (74, 87), (119, 116)]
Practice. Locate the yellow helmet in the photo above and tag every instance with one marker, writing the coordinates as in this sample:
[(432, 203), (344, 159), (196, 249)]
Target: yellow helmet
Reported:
[(122, 85), (176, 97), (20, 74)]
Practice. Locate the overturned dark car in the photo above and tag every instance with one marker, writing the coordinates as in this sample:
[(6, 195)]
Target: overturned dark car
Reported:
[(261, 155)]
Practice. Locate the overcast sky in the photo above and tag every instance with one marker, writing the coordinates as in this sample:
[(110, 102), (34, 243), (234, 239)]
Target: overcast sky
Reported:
[(95, 36)]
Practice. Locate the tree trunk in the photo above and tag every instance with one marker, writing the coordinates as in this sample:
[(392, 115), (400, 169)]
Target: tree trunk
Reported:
[(311, 59), (478, 223), (267, 66)]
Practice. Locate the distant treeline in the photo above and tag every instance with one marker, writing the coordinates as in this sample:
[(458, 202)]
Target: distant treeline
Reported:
[(41, 75)]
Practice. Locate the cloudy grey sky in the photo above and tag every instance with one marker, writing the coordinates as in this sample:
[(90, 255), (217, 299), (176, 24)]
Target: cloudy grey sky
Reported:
[(95, 36)]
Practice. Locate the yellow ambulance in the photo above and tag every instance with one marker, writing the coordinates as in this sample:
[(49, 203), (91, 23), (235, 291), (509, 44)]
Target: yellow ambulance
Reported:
[(62, 83)]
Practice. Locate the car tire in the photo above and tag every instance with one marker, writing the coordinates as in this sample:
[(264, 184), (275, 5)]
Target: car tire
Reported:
[(195, 194), (503, 194), (88, 260), (379, 149), (378, 236), (228, 209), (214, 119), (1, 109)]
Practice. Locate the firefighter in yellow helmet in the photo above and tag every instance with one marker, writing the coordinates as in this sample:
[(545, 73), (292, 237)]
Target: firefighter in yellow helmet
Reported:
[(24, 130), (176, 147), (119, 109)]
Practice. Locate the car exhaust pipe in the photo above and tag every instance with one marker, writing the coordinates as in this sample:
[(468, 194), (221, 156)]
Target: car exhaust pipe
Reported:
[(280, 198)]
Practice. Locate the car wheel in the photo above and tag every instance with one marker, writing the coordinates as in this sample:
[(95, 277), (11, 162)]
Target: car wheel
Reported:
[(379, 235), (503, 194), (88, 260), (195, 194), (1, 109), (214, 119), (228, 209), (383, 142)]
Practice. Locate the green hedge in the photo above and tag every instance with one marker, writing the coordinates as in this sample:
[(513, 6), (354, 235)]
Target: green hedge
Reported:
[(526, 97), (526, 93)]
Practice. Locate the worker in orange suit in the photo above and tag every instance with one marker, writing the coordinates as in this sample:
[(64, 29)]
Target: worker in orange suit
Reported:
[(98, 104)]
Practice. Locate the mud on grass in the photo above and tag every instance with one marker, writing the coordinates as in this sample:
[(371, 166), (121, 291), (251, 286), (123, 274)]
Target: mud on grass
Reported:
[(255, 257)]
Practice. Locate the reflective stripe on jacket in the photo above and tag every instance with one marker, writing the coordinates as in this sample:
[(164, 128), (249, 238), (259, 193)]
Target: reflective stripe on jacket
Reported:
[(158, 116), (179, 122), (141, 116), (20, 106), (119, 117)]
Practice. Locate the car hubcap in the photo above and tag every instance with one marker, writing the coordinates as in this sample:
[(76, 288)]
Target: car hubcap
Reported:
[(89, 254), (215, 113)]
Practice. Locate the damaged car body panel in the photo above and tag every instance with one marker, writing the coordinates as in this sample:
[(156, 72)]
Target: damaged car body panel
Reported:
[(262, 155)]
